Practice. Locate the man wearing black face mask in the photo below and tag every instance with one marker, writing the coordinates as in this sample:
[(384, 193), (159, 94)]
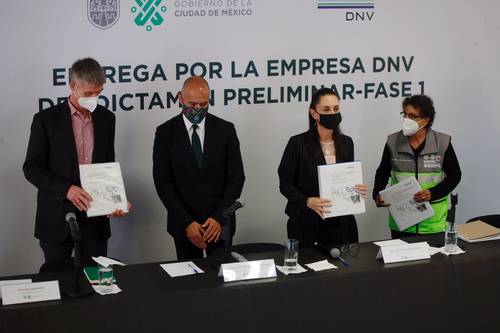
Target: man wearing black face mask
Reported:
[(322, 144), (198, 173)]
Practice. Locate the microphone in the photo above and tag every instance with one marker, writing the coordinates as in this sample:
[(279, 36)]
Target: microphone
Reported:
[(73, 226), (322, 248), (234, 207), (238, 257), (334, 253)]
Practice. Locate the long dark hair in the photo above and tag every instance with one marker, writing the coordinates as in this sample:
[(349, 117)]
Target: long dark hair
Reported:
[(313, 143)]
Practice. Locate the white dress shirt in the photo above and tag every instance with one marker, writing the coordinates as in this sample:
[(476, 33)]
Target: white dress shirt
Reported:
[(200, 131)]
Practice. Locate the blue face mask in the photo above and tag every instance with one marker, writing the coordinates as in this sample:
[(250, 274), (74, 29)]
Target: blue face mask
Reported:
[(193, 115)]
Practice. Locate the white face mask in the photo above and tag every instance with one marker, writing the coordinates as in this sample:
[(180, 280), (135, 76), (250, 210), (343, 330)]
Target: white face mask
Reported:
[(410, 127), (89, 103)]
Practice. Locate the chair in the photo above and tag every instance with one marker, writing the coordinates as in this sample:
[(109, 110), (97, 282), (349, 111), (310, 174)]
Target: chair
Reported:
[(223, 255), (256, 248), (493, 220)]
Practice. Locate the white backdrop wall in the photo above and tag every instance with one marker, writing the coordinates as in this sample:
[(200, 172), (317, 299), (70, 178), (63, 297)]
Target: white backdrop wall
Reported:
[(455, 47)]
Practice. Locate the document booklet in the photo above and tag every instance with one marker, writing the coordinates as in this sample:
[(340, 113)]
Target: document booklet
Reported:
[(477, 231), (91, 273), (404, 209), (337, 182), (104, 183)]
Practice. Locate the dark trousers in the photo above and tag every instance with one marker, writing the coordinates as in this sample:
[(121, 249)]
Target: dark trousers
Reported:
[(187, 250), (333, 231), (91, 245), (401, 234)]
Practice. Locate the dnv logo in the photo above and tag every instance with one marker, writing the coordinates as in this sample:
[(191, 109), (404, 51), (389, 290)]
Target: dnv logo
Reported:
[(103, 13), (353, 9), (149, 12), (346, 4)]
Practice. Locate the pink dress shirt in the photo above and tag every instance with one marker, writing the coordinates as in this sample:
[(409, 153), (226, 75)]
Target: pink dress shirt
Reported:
[(83, 130)]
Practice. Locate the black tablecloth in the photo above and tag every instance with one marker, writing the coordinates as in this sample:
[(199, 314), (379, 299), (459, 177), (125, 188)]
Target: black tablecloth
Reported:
[(443, 294)]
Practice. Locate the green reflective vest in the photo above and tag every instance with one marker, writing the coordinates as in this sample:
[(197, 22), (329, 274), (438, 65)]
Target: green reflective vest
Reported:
[(427, 170)]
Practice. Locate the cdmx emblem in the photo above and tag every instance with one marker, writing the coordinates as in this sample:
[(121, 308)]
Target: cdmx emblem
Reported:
[(103, 13), (149, 12)]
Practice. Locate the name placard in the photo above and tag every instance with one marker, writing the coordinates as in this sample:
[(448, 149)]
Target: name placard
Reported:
[(390, 242), (257, 269), (405, 252), (13, 282), (32, 292)]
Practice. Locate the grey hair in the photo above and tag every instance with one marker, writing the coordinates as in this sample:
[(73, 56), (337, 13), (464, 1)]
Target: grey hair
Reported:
[(87, 70)]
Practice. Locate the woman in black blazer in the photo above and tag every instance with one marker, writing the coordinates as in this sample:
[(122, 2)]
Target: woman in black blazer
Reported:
[(322, 144)]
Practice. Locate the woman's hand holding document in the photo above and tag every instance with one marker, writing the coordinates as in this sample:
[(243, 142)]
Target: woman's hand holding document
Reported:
[(342, 184), (104, 183), (405, 210)]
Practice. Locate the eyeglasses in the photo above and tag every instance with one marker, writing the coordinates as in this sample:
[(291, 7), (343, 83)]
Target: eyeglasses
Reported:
[(410, 116), (350, 249)]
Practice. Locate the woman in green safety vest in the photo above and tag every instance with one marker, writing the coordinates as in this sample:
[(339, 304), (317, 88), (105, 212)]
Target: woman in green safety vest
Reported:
[(417, 150)]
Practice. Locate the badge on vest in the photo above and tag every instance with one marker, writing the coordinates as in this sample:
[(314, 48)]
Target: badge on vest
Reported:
[(432, 161)]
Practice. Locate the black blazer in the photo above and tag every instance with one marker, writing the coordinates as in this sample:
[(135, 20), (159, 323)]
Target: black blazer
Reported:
[(191, 194), (52, 166), (298, 174)]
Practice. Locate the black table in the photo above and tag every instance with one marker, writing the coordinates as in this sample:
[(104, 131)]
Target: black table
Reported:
[(443, 294)]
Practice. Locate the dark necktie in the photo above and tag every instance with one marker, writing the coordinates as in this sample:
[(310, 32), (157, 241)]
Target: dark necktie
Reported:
[(196, 143)]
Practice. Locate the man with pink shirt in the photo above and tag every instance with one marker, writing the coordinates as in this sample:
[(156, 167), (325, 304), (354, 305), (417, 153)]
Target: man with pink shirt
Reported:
[(78, 131)]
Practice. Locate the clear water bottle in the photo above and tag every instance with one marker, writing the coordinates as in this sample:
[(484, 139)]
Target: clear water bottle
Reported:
[(105, 279), (450, 238)]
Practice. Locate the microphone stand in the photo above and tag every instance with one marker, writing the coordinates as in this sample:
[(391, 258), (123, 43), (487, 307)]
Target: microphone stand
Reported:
[(72, 285), (226, 235), (453, 208)]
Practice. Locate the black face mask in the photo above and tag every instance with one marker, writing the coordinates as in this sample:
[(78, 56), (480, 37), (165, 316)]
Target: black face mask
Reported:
[(330, 121)]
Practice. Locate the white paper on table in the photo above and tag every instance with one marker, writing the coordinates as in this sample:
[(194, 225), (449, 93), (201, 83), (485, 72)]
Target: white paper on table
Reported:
[(104, 183), (390, 242), (321, 265), (181, 268), (106, 262), (13, 283), (299, 269), (404, 209), (435, 250), (114, 290), (337, 182)]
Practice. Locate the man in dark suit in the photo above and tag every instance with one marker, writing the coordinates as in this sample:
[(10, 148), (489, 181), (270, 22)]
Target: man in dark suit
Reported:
[(198, 174), (78, 131)]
